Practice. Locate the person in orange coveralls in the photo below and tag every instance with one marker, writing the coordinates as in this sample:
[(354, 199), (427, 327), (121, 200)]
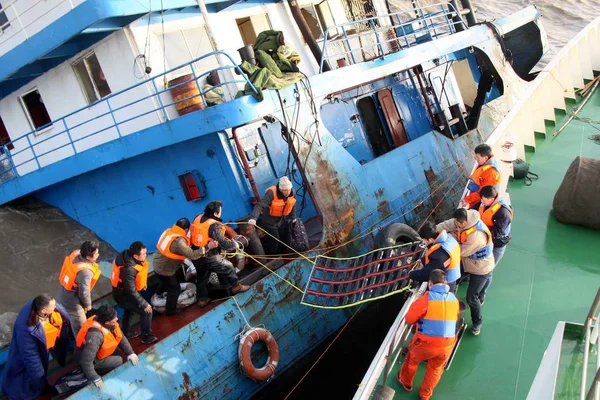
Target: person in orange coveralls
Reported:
[(487, 173), (436, 313)]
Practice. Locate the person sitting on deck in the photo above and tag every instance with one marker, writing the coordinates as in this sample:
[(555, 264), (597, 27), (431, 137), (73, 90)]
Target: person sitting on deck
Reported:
[(436, 313), (280, 201), (497, 215), (209, 227), (477, 259), (77, 278), (42, 326), (443, 253), (129, 277), (173, 248), (487, 173), (101, 345)]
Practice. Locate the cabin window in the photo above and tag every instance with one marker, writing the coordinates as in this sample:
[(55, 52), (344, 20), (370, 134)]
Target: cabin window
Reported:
[(35, 109), (91, 78), (319, 18), (4, 138), (250, 27), (3, 19), (374, 129)]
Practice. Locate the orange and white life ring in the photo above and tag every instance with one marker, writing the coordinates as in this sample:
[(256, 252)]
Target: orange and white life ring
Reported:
[(245, 351)]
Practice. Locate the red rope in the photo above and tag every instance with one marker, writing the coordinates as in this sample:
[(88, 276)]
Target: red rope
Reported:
[(372, 274), (369, 263), (356, 291)]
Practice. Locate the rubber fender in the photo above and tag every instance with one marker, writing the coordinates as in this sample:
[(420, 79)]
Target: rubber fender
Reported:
[(382, 392), (397, 234)]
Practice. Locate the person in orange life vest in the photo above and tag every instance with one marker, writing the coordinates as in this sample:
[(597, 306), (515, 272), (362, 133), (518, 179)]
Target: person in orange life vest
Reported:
[(209, 227), (173, 248), (129, 277), (477, 259), (278, 208), (77, 279), (443, 253), (497, 215), (41, 328), (487, 173), (436, 313), (101, 345)]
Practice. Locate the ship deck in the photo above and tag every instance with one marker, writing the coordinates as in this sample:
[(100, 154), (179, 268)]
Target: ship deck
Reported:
[(550, 272)]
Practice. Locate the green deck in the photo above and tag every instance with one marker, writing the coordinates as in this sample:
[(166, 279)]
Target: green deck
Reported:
[(550, 272)]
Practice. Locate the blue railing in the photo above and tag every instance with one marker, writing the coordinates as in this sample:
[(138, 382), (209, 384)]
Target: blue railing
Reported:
[(372, 39), (27, 149)]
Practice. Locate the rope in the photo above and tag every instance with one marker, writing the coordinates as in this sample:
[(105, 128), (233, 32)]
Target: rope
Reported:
[(248, 326), (321, 356), (275, 273)]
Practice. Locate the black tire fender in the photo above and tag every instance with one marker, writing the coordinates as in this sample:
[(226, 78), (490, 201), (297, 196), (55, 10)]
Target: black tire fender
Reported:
[(397, 233)]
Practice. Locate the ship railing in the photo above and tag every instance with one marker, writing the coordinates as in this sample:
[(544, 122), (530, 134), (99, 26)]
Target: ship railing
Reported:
[(19, 16), (375, 37), (388, 353), (591, 328), (31, 151)]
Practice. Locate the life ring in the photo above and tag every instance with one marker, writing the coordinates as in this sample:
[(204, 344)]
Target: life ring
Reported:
[(397, 233), (245, 351)]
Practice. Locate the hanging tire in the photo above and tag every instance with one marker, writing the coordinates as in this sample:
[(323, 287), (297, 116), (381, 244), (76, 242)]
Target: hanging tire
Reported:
[(247, 340), (397, 234)]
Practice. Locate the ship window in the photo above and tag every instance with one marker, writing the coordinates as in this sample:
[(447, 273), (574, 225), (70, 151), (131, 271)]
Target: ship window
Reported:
[(186, 45), (3, 19), (35, 109), (4, 138), (319, 18), (250, 27), (91, 77)]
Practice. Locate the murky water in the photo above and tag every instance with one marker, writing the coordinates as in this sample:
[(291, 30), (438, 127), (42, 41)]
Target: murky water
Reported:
[(35, 238)]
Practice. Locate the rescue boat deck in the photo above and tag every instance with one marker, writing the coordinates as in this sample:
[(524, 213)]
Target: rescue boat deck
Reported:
[(550, 272)]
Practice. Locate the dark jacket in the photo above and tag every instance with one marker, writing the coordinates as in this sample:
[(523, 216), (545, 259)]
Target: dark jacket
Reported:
[(436, 261), (86, 355), (27, 364), (225, 244), (167, 267), (126, 288), (501, 221), (262, 208)]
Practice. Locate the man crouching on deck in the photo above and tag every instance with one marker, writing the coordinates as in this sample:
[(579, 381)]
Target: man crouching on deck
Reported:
[(436, 313)]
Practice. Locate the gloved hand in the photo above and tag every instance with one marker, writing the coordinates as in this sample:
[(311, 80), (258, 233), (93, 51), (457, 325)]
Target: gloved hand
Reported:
[(133, 358), (252, 222), (98, 382), (213, 244)]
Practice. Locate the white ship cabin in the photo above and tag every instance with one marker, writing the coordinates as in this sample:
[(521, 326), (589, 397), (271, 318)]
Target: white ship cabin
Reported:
[(122, 73)]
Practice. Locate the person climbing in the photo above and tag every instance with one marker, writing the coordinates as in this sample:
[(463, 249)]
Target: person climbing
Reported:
[(173, 248), (209, 227), (77, 278), (443, 253), (280, 201), (487, 173), (477, 259), (436, 314)]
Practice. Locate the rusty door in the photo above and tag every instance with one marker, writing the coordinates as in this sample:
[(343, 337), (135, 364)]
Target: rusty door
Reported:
[(392, 117)]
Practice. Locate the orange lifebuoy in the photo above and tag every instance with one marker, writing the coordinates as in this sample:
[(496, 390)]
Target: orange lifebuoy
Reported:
[(245, 350)]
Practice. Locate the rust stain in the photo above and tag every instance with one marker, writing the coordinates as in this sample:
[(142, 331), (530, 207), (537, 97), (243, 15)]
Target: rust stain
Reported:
[(378, 193), (229, 316), (383, 207), (227, 390), (259, 286), (188, 392)]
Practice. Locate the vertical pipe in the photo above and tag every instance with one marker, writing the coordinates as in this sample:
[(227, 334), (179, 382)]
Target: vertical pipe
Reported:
[(306, 33), (456, 19), (240, 150), (471, 19)]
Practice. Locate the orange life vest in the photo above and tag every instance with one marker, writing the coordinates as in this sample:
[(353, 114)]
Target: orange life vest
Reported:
[(69, 271), (166, 239), (487, 216), (483, 252), (111, 341), (52, 327), (280, 207), (141, 279), (199, 231)]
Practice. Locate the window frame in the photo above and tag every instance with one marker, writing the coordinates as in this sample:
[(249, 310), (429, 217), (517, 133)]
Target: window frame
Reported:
[(42, 128), (84, 59), (3, 13)]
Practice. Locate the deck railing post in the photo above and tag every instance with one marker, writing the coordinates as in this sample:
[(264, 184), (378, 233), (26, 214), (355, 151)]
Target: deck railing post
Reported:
[(69, 135), (162, 106), (113, 117), (372, 23), (33, 151), (348, 43)]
